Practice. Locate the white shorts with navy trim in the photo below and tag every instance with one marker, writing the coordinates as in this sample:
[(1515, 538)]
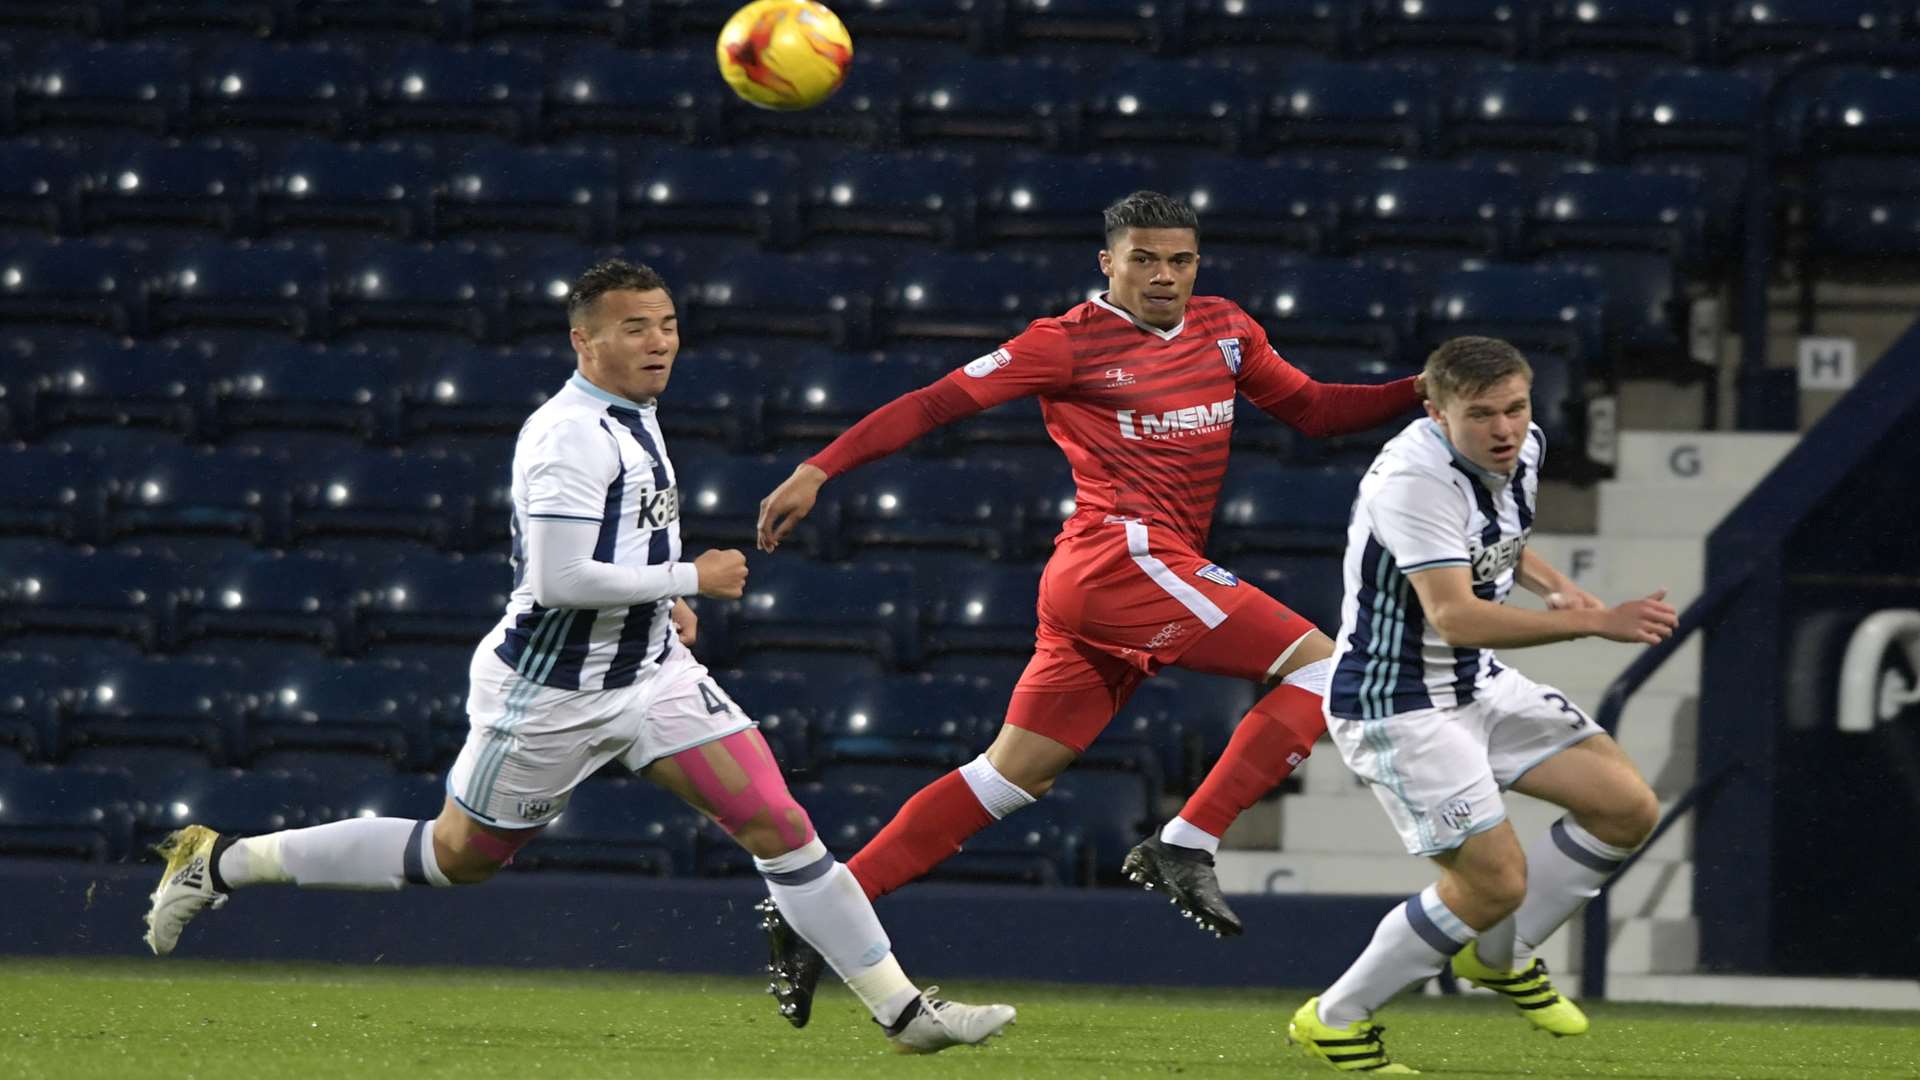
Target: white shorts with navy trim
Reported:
[(528, 746), (1439, 772)]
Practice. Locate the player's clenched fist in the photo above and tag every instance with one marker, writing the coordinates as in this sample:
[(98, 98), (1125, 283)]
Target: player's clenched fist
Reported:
[(1647, 621), (723, 573), (791, 502)]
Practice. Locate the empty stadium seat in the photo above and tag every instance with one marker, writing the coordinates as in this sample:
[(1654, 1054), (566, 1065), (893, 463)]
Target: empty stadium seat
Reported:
[(1328, 304), (1862, 110), (716, 394), (432, 599), (29, 691), (1164, 730), (499, 189), (814, 397), (384, 187), (1034, 100), (866, 110), (592, 90), (40, 184), (828, 295), (1643, 300), (1265, 24), (66, 813), (1443, 27), (281, 286), (260, 18), (970, 297), (1187, 102), (196, 492), (367, 707), (927, 195), (232, 801), (1430, 205), (1266, 507), (1309, 584), (151, 713), (1042, 844), (1309, 106), (264, 600), (449, 287), (1760, 28), (1054, 23), (826, 615), (1619, 209), (1042, 196), (206, 184), (164, 385), (1540, 311), (1623, 29), (948, 505), (669, 189), (785, 704), (1113, 809), (1864, 212), (942, 720), (49, 491), (624, 22), (628, 826), (846, 818), (1523, 107), (98, 84), (429, 88), (720, 502), (75, 281), (463, 391), (428, 497), (990, 612), (1691, 109), (96, 595), (378, 19), (408, 795), (309, 388), (278, 86)]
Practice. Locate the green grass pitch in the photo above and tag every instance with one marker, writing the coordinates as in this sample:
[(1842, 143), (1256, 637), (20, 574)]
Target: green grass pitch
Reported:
[(184, 1018)]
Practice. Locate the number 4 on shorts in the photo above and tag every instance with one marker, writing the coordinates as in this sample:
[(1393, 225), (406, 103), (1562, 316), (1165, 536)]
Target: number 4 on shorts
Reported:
[(715, 703)]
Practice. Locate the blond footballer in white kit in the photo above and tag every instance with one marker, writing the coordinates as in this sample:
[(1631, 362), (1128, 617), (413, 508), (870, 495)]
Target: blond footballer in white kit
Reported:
[(591, 663), (1423, 711)]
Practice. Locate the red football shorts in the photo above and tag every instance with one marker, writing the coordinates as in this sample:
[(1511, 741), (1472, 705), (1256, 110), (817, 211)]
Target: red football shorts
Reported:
[(1122, 600)]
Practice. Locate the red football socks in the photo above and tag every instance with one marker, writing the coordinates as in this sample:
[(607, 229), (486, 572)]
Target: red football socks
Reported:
[(930, 827), (1272, 740)]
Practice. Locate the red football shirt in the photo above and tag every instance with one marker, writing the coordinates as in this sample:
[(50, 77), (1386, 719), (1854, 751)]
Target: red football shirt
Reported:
[(1143, 415)]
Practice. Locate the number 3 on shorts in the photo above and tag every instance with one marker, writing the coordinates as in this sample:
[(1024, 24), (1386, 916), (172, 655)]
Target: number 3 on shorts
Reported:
[(1560, 700), (717, 704)]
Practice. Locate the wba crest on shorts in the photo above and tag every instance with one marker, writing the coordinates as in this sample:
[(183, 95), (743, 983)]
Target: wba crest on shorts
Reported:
[(1218, 574), (1230, 351), (1458, 814)]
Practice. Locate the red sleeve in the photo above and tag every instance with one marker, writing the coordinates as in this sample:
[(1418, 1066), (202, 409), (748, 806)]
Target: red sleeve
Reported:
[(1036, 362), (1317, 409)]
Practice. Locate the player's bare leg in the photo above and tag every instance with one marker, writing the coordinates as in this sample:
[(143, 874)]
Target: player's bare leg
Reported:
[(818, 915), (1270, 742)]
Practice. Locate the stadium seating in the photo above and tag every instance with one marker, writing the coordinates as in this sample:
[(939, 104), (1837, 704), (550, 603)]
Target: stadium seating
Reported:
[(1291, 205), (592, 90), (1616, 209), (720, 503), (1266, 507), (144, 384), (75, 281), (1148, 105), (98, 84), (1450, 27), (931, 196), (718, 395), (503, 189), (250, 602), (1328, 305), (425, 497), (1759, 28), (1321, 105), (279, 286), (930, 720), (27, 717), (1052, 23), (278, 86), (1428, 206), (1028, 198), (83, 814), (194, 492), (820, 396), (1853, 110), (204, 184), (94, 598), (826, 296), (1312, 25), (1547, 313), (1624, 29), (463, 391), (989, 612), (391, 286), (627, 826), (363, 708), (40, 185), (491, 90), (1027, 100), (874, 618), (668, 189), (624, 23), (150, 713), (939, 506), (972, 297), (288, 387), (383, 187), (432, 599), (243, 802)]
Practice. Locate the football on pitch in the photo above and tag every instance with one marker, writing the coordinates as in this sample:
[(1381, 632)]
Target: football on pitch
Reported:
[(784, 54)]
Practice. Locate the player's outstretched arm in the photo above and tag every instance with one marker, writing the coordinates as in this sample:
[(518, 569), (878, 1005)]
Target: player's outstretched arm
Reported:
[(1468, 622), (788, 505), (1543, 579)]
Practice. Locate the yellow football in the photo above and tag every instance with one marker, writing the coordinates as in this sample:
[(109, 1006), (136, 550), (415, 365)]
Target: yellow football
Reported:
[(784, 54)]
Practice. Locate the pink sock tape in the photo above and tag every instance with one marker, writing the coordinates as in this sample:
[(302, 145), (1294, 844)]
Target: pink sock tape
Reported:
[(739, 779)]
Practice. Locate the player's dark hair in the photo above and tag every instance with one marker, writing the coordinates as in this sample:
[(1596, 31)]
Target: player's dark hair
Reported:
[(610, 275), (1149, 210), (1470, 366)]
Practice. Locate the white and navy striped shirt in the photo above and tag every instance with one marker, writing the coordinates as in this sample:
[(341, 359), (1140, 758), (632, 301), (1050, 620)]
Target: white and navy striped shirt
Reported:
[(1421, 505), (594, 460)]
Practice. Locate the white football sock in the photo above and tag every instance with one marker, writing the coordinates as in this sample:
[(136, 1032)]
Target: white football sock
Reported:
[(823, 902), (1566, 865), (1183, 833), (1411, 945), (358, 853), (998, 794)]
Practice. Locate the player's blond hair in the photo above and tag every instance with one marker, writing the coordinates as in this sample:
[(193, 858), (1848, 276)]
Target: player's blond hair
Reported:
[(1470, 366)]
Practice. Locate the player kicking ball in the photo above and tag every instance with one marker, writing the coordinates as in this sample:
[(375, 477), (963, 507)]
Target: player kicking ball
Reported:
[(1425, 714), (591, 663)]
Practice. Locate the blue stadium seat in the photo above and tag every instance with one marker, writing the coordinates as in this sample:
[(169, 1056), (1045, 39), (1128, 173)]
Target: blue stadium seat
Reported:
[(1048, 197), (159, 384), (716, 394), (29, 691), (75, 281), (784, 704), (910, 719), (498, 189), (1043, 844), (593, 90), (1444, 28), (280, 286), (492, 392), (823, 615), (538, 285), (816, 396), (66, 813), (970, 297), (448, 287), (196, 492), (1625, 29), (139, 85), (99, 595), (1311, 106), (865, 111), (88, 18), (384, 19), (1643, 301), (1619, 209), (264, 600), (1861, 110), (1309, 584), (424, 496), (1054, 24), (408, 795), (1266, 507), (826, 295), (161, 18), (668, 189), (437, 89), (40, 185), (957, 21), (1865, 212), (983, 612), (1542, 312), (628, 826), (846, 818), (1164, 730), (922, 506), (204, 184), (277, 86), (1691, 109), (152, 712), (368, 708), (1033, 100), (432, 599), (925, 195), (385, 187), (1523, 107), (720, 502), (1314, 25), (292, 387), (1113, 809), (1772, 28), (1327, 304), (1187, 102), (1430, 205), (241, 802), (626, 22)]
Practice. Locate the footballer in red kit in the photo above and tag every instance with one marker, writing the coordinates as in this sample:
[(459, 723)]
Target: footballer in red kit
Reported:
[(1138, 388)]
